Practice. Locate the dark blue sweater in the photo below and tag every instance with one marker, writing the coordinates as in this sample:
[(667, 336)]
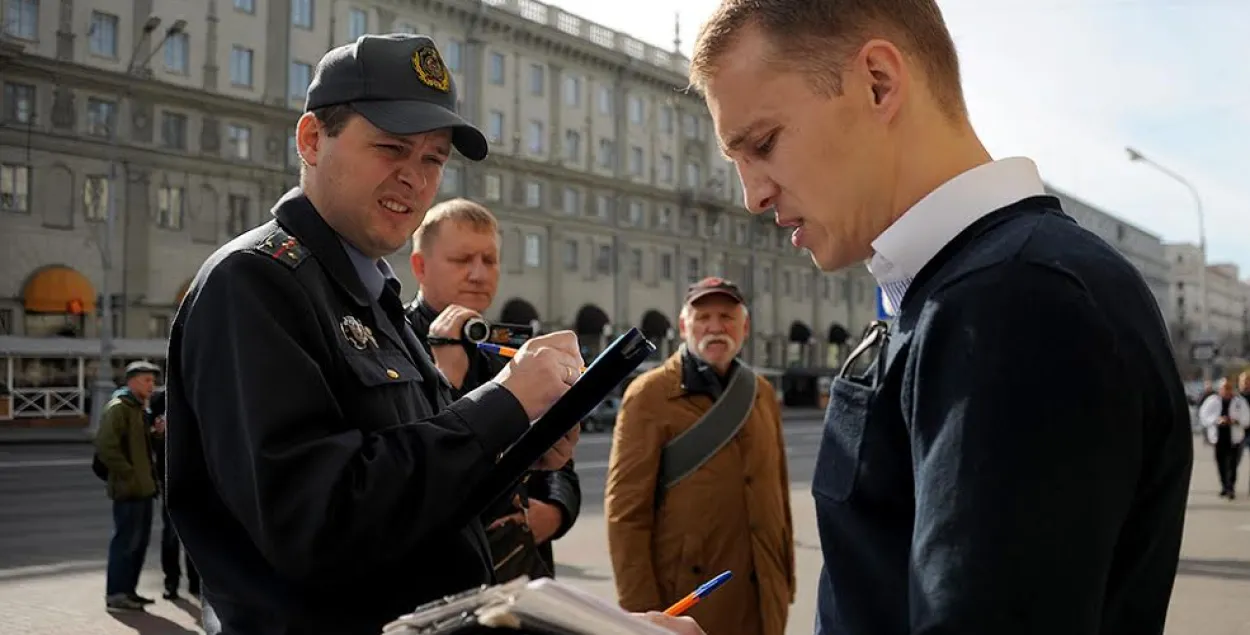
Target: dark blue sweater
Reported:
[(1021, 463)]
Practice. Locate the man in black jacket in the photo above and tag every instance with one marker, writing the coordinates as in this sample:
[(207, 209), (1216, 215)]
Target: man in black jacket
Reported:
[(455, 259), (317, 467)]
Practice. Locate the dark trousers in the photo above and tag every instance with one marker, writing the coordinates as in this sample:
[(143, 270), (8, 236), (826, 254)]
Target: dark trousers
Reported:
[(1226, 455), (132, 529), (171, 548)]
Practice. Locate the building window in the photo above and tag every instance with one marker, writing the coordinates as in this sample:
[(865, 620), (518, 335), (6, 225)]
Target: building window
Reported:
[(169, 207), (100, 117), (95, 198), (174, 130), (451, 181), (572, 201), (692, 269), (635, 161), (572, 145), (606, 150), (158, 327), (239, 141), (292, 151), (14, 188), (603, 206), (571, 257), (177, 51), (452, 55), (241, 66), (694, 176), (496, 69), (572, 91), (635, 263), (102, 35), (605, 100), (603, 263), (533, 250), (237, 220), (302, 13), (301, 76), (493, 184), (533, 194), (663, 217), (690, 126), (19, 103), (635, 213), (247, 6), (357, 24), (635, 109), (494, 127), (537, 137), (666, 266), (538, 79), (22, 19), (666, 120), (666, 169)]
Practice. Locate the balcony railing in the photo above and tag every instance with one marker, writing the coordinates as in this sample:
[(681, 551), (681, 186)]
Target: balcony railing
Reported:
[(576, 26)]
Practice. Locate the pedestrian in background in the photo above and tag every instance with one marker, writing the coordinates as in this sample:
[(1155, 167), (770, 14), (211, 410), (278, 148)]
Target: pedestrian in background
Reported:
[(1225, 416), (698, 480), (171, 548), (123, 445)]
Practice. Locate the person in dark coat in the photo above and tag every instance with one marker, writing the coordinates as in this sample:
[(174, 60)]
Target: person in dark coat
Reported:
[(171, 547), (317, 467), (945, 502), (455, 258)]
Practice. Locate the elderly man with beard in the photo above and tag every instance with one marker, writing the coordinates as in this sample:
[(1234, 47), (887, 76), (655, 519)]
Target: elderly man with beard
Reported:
[(697, 481)]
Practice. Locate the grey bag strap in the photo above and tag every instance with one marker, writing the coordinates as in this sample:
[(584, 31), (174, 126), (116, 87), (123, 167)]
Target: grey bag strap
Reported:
[(691, 449)]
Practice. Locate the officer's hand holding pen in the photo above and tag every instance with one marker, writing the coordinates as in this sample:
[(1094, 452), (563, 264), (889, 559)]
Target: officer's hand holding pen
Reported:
[(538, 375)]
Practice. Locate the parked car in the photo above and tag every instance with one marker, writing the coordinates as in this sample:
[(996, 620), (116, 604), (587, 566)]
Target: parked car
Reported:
[(603, 417)]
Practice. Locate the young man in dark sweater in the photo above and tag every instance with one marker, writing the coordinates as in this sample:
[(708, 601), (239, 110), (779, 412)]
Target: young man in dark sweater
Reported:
[(945, 503)]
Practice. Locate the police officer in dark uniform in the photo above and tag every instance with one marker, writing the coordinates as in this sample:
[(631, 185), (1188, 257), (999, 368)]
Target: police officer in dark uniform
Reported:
[(456, 261), (316, 463)]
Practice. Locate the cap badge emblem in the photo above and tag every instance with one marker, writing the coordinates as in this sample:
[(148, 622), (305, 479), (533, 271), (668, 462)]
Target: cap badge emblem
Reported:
[(430, 69)]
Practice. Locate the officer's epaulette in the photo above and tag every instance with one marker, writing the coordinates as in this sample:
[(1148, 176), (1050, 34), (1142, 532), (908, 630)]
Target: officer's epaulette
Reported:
[(283, 247)]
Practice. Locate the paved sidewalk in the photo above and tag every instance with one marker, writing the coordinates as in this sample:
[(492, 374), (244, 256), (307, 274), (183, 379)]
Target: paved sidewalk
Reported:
[(1212, 595)]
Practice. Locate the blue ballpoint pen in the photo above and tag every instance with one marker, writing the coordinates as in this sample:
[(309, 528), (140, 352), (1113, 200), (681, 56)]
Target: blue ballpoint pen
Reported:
[(703, 591)]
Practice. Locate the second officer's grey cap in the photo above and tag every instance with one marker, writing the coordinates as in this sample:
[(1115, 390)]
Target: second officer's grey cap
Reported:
[(399, 83)]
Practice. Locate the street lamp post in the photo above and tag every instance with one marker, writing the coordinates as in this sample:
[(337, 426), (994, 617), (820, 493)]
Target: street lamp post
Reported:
[(103, 386), (1205, 315)]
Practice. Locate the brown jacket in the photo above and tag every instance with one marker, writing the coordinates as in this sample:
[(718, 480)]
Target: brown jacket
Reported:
[(733, 513)]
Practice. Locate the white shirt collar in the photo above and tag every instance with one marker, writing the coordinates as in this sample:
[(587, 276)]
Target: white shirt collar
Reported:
[(906, 246)]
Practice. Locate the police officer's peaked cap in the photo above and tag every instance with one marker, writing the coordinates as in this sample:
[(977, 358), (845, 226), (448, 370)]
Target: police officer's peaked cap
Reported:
[(399, 83)]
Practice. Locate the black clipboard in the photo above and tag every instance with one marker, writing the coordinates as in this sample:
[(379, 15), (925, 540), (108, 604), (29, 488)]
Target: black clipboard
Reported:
[(603, 375)]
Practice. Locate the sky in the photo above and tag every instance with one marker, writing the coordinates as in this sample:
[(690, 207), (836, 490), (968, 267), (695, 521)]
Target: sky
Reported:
[(1071, 83)]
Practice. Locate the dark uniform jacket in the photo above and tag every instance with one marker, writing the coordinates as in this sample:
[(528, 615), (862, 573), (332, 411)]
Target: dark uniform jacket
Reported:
[(561, 488), (315, 466), (947, 506)]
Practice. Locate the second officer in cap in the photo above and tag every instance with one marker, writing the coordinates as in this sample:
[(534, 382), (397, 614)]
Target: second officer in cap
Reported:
[(315, 459)]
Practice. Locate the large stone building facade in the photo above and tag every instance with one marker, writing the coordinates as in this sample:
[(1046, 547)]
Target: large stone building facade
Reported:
[(175, 119), (605, 173)]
